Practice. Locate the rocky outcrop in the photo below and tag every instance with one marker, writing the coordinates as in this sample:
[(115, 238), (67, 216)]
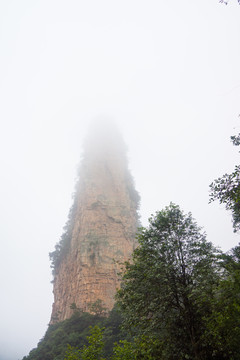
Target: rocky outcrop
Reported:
[(101, 229)]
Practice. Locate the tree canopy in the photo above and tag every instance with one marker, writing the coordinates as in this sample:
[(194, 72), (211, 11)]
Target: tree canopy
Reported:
[(226, 1), (167, 288), (226, 190)]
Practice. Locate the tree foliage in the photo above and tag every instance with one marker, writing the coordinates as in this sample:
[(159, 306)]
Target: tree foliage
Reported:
[(226, 190), (62, 247), (97, 308), (73, 334), (141, 347), (223, 324), (226, 1), (92, 351), (166, 290)]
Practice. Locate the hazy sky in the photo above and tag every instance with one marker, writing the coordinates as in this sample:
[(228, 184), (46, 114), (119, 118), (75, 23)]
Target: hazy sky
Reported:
[(166, 71)]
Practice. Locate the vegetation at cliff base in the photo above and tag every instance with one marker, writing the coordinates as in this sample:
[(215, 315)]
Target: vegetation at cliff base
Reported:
[(179, 297), (73, 332)]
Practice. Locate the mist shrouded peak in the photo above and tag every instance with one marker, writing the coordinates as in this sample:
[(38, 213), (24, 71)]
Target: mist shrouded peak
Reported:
[(101, 231), (104, 140)]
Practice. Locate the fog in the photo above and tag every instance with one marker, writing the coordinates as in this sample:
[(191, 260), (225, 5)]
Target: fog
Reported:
[(167, 72)]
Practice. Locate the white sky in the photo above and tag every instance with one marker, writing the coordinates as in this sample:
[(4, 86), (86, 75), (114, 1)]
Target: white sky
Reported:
[(166, 71)]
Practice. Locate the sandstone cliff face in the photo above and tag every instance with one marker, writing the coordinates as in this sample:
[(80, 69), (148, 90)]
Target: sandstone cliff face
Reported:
[(103, 231)]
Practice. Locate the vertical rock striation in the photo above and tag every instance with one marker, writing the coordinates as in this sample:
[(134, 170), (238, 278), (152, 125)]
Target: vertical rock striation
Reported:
[(101, 228)]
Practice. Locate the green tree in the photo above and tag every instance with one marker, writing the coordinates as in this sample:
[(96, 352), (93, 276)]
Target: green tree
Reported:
[(167, 289), (72, 353), (124, 350), (223, 324), (142, 347), (95, 348), (226, 1), (75, 331), (92, 351), (97, 308), (226, 190)]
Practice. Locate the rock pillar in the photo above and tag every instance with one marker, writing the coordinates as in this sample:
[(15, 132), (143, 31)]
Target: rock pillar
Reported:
[(101, 229)]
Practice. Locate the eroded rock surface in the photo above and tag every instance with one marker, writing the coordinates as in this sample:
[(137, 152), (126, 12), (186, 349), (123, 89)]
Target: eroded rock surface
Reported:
[(103, 228)]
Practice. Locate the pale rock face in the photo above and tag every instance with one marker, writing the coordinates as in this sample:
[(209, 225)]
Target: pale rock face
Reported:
[(104, 231)]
